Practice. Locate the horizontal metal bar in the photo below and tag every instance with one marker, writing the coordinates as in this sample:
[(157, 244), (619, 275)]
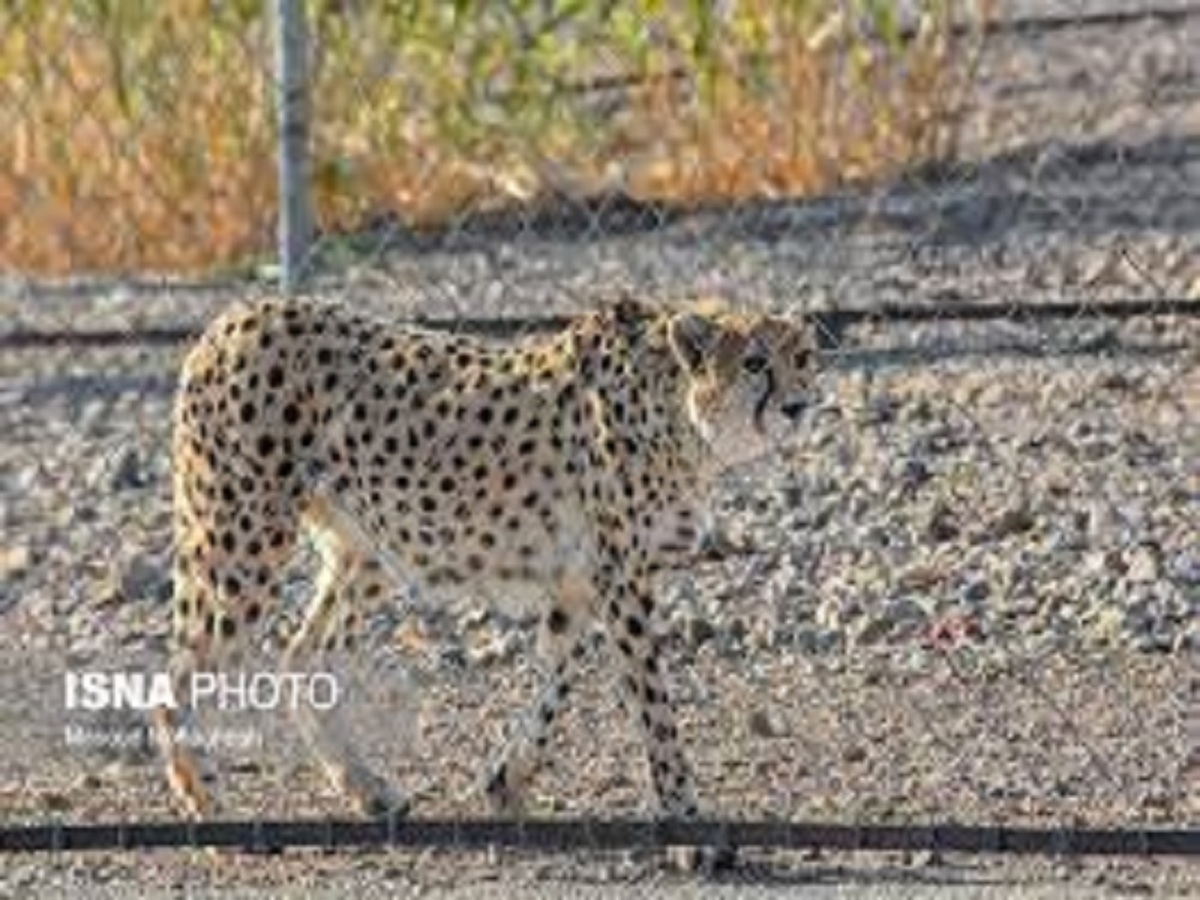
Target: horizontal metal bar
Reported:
[(580, 834), (1113, 18), (830, 323)]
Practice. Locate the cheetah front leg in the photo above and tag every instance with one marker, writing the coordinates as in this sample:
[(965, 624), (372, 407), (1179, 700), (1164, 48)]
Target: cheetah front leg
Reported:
[(345, 582), (628, 608), (521, 757), (565, 641)]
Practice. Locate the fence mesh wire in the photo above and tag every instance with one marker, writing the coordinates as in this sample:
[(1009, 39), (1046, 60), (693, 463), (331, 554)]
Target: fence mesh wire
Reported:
[(969, 590)]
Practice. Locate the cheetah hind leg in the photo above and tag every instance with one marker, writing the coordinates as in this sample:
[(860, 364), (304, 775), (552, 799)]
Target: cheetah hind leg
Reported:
[(202, 642), (190, 774), (346, 582)]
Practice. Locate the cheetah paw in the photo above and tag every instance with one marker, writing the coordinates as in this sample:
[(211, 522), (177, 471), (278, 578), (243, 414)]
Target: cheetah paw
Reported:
[(504, 798), (373, 796)]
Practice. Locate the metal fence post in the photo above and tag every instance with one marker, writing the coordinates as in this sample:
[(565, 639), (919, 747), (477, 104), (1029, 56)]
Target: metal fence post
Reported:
[(292, 111)]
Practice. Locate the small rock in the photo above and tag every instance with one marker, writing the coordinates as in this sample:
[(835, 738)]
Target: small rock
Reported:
[(814, 640), (1118, 381), (1014, 520), (698, 630), (473, 618), (766, 637), (1185, 567), (1153, 642), (854, 754), (926, 859), (920, 577), (1112, 562), (15, 560), (977, 589), (79, 514), (871, 629), (1141, 565), (718, 544), (1187, 640), (914, 473), (942, 525), (764, 724), (126, 470), (919, 410), (141, 577), (952, 630), (53, 801), (26, 480), (500, 649), (1096, 449), (452, 656), (881, 409), (904, 611), (1109, 625), (794, 495)]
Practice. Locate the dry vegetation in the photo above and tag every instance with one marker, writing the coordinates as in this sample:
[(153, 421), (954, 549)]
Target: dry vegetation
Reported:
[(139, 134)]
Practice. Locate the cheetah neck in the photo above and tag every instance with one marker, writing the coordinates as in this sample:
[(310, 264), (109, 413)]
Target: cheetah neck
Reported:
[(645, 389)]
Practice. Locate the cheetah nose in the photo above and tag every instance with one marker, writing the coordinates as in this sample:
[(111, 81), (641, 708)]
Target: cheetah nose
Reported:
[(793, 408)]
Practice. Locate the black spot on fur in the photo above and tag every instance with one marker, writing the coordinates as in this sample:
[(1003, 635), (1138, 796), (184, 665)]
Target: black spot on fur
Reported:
[(557, 621)]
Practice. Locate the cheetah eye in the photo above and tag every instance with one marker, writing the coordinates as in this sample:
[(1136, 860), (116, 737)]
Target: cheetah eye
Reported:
[(754, 363)]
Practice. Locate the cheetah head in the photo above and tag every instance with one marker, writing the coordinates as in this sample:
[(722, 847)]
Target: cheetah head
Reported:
[(750, 377)]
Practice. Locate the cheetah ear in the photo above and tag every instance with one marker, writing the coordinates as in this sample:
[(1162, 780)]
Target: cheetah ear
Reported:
[(630, 311), (693, 338)]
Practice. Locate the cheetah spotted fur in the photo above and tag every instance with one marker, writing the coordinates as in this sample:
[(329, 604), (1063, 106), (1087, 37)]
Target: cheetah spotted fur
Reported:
[(576, 464)]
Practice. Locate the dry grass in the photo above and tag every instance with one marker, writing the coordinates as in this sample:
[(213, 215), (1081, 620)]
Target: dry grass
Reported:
[(139, 139)]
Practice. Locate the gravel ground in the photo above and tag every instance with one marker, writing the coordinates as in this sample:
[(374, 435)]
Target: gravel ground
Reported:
[(456, 876), (968, 591)]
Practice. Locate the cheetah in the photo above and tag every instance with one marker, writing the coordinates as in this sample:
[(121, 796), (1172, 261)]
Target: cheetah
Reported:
[(575, 465)]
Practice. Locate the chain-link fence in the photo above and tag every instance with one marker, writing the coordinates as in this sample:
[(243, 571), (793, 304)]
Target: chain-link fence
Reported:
[(968, 591)]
